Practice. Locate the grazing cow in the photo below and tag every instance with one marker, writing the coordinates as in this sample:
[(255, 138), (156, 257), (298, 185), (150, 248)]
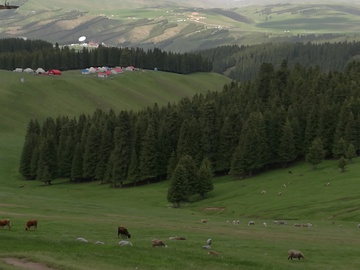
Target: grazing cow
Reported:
[(158, 243), (204, 221), (358, 225), (213, 253), (295, 254), (5, 222), (177, 238), (31, 223), (251, 223), (123, 232)]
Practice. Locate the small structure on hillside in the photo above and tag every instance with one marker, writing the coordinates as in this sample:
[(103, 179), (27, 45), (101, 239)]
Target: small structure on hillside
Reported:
[(54, 72), (102, 75)]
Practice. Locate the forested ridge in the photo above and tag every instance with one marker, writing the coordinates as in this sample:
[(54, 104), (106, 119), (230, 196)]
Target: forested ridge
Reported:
[(285, 114), (19, 53), (243, 62)]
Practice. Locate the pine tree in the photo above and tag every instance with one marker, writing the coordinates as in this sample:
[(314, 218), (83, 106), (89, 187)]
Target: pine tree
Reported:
[(204, 178), (315, 154), (91, 154), (178, 190), (225, 152), (286, 150), (171, 164), (191, 178), (47, 165), (120, 157), (106, 145), (66, 149), (342, 163), (252, 151), (148, 155), (30, 144), (350, 152), (339, 148), (209, 130), (77, 163)]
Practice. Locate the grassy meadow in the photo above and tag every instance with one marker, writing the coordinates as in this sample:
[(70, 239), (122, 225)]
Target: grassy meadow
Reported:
[(67, 211)]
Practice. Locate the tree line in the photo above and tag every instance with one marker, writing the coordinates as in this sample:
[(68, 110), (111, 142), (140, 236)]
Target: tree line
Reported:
[(285, 115), (243, 62), (19, 53)]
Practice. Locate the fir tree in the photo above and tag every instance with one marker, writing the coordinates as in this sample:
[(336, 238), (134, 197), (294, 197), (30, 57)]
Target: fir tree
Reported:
[(342, 164), (178, 190), (315, 154), (47, 165), (350, 152), (204, 178), (30, 144), (287, 149)]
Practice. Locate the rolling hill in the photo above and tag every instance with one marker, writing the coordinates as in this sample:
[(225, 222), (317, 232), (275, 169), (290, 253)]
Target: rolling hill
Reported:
[(193, 25), (67, 211)]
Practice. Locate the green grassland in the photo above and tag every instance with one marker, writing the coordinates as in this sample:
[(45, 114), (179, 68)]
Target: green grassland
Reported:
[(67, 211)]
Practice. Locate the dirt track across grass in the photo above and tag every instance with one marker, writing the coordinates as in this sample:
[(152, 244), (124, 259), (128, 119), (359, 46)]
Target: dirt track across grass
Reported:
[(25, 264)]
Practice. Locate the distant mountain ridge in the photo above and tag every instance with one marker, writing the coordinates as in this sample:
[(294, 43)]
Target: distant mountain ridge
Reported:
[(181, 26)]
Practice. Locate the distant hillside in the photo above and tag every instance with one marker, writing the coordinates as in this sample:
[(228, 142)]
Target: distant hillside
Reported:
[(190, 25), (73, 93)]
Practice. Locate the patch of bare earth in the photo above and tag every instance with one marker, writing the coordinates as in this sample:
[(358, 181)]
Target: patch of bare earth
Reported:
[(25, 264), (218, 209)]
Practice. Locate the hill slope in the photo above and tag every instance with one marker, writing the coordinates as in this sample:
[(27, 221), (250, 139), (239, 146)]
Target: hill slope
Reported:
[(73, 94), (193, 25), (93, 211)]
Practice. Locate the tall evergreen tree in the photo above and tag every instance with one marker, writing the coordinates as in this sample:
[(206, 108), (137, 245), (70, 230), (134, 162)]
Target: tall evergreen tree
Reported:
[(91, 154), (204, 178), (47, 165), (252, 152), (350, 152), (286, 150), (342, 163), (77, 163), (106, 146), (148, 155), (31, 142), (178, 190), (315, 154)]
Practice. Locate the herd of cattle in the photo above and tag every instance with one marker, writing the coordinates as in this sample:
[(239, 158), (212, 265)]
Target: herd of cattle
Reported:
[(30, 223), (124, 233)]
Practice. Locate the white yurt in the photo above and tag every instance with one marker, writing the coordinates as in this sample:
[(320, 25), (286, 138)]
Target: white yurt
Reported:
[(28, 70)]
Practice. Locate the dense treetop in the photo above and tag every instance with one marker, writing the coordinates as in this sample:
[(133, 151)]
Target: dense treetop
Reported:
[(243, 62)]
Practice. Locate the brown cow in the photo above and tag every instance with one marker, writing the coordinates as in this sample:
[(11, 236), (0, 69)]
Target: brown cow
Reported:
[(5, 222), (123, 232), (295, 254), (158, 243), (31, 223)]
